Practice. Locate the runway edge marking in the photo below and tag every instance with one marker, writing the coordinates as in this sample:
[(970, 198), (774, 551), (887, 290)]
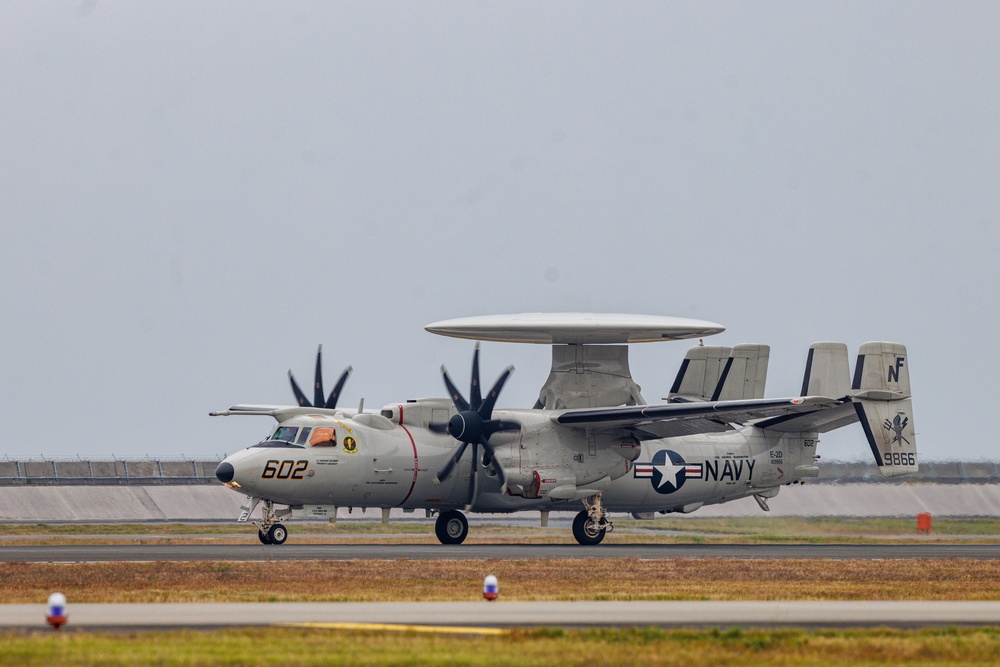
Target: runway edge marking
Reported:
[(398, 627)]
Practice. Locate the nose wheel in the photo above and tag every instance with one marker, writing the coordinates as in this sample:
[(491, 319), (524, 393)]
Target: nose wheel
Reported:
[(451, 527), (269, 530)]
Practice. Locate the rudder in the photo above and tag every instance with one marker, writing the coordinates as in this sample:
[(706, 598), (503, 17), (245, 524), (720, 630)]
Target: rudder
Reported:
[(744, 375), (881, 394), (699, 373)]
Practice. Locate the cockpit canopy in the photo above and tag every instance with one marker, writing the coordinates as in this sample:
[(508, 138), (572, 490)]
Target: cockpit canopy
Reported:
[(321, 436)]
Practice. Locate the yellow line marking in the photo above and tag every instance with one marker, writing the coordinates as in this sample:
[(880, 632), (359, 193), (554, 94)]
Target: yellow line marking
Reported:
[(398, 627)]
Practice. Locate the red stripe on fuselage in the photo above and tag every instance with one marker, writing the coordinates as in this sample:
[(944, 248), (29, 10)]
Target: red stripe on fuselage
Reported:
[(414, 445)]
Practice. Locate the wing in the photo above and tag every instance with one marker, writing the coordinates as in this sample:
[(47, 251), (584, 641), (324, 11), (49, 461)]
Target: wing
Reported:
[(279, 412), (698, 417)]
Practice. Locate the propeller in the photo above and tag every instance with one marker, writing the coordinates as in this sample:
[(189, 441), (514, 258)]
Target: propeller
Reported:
[(474, 424), (319, 401)]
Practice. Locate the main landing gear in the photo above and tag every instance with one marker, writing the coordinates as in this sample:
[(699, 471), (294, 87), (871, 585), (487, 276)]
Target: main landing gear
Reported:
[(451, 527), (591, 523), (269, 530)]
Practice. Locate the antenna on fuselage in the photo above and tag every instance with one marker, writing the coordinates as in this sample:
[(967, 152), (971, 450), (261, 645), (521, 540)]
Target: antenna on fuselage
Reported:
[(361, 405)]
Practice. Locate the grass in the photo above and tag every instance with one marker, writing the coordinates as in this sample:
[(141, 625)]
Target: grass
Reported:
[(816, 527), (674, 530), (541, 579), (521, 579), (525, 648)]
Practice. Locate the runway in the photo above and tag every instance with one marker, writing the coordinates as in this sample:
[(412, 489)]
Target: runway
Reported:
[(480, 614), (258, 552)]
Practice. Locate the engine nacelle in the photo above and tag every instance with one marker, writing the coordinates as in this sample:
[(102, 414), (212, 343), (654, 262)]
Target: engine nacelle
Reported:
[(627, 448), (540, 482)]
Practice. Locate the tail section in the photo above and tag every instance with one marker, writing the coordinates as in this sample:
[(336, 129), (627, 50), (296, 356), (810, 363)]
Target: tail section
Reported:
[(881, 394), (827, 371), (881, 372), (699, 373), (717, 373), (744, 374)]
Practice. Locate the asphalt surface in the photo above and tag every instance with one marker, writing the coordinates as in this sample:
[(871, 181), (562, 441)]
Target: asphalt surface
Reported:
[(291, 551), (442, 616)]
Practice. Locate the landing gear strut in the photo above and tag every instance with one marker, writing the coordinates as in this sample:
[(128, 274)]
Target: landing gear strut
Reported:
[(451, 527), (269, 530), (591, 524)]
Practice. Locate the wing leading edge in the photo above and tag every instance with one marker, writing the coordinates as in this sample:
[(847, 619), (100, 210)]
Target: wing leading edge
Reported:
[(713, 412)]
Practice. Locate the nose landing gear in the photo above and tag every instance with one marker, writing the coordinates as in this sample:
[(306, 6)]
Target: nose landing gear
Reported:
[(591, 524), (269, 530)]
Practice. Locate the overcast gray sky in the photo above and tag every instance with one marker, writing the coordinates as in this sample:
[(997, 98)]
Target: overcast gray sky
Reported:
[(194, 195)]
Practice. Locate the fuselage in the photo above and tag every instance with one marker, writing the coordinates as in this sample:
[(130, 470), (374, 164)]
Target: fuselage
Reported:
[(392, 459)]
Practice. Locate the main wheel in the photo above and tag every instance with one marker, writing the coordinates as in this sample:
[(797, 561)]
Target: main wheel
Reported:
[(451, 527), (586, 531), (262, 536), (278, 534)]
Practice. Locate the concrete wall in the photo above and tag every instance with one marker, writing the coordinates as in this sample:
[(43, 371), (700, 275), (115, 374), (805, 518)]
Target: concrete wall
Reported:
[(119, 503)]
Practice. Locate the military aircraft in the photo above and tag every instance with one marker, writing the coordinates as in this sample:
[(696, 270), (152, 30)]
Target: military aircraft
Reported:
[(590, 440)]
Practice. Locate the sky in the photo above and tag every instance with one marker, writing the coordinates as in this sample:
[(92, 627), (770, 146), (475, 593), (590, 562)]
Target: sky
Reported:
[(195, 195)]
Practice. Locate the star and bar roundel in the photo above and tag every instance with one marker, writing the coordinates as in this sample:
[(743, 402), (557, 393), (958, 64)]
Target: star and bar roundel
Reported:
[(667, 471)]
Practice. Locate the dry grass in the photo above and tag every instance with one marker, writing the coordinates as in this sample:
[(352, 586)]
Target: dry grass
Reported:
[(534, 579), (673, 530), (543, 647)]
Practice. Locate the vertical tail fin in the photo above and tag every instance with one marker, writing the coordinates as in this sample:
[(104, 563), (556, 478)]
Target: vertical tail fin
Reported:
[(827, 371), (744, 374), (881, 372), (881, 393), (699, 373)]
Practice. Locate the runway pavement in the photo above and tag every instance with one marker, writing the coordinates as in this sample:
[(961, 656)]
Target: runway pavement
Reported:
[(465, 614), (288, 551)]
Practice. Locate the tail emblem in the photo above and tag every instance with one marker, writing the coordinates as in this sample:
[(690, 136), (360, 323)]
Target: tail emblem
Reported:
[(897, 425)]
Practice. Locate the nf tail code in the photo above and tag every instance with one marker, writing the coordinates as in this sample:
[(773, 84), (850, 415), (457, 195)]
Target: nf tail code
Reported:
[(881, 389)]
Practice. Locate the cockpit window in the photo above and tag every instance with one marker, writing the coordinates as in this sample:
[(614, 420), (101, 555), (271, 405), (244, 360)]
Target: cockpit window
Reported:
[(285, 433), (275, 444), (323, 437), (303, 436)]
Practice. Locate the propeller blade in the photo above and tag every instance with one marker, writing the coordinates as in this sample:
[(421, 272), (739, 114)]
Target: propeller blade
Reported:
[(496, 466), (331, 402), (438, 427), (472, 476), (299, 396), (446, 470), (475, 395), (497, 426), (456, 395), (486, 409), (318, 384)]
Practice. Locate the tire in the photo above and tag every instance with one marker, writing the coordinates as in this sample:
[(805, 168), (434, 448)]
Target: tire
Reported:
[(263, 537), (586, 531), (278, 534), (451, 527)]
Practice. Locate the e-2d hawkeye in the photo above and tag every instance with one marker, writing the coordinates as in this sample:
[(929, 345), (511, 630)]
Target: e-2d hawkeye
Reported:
[(590, 440)]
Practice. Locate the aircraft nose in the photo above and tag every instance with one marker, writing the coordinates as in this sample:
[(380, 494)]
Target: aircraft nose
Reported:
[(225, 472)]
